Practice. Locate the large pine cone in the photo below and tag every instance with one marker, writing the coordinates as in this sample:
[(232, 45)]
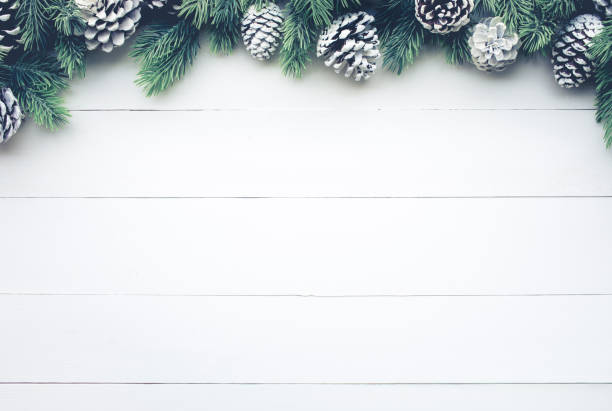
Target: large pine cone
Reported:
[(443, 16), (10, 115), (9, 27), (493, 47), (572, 65), (350, 41), (604, 7), (109, 22), (261, 30)]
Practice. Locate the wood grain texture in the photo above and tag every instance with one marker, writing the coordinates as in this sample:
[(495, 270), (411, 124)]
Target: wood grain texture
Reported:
[(306, 246), (312, 153), (237, 81), (305, 398), (289, 339)]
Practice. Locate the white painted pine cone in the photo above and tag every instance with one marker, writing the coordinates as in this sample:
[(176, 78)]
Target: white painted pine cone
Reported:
[(10, 115), (443, 16), (492, 45), (261, 30), (604, 7), (572, 65), (350, 43), (10, 32), (109, 22)]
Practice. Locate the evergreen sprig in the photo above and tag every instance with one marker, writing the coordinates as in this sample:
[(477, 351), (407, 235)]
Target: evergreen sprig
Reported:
[(225, 25), (601, 52), (197, 12), (35, 19), (165, 52), (401, 35), (37, 80)]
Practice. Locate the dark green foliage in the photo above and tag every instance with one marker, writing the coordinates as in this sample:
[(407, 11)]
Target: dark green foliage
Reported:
[(457, 47), (601, 52), (36, 82), (401, 35), (305, 19), (537, 33), (71, 53), (514, 12), (35, 19), (485, 7), (165, 52), (225, 25), (197, 12)]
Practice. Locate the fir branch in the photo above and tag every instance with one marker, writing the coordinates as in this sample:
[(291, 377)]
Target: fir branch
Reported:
[(457, 47), (225, 25), (67, 17), (601, 52), (165, 52), (44, 106), (559, 9), (71, 53), (197, 12), (514, 12), (537, 34), (485, 7), (402, 36), (299, 34), (36, 23)]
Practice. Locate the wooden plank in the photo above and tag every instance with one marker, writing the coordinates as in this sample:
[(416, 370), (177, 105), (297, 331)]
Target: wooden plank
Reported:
[(306, 398), (305, 340), (430, 83), (312, 153), (306, 246)]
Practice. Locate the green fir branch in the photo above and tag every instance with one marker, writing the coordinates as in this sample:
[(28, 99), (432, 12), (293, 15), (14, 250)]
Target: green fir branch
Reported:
[(71, 54), (35, 19), (401, 35), (559, 9), (45, 107), (165, 52), (515, 12), (601, 52), (537, 34), (457, 47), (485, 7), (225, 25), (67, 17), (197, 12)]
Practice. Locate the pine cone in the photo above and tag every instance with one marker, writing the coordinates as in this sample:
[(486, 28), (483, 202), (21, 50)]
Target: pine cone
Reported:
[(493, 47), (350, 41), (604, 7), (443, 16), (9, 27), (109, 22), (261, 30), (10, 115), (572, 65)]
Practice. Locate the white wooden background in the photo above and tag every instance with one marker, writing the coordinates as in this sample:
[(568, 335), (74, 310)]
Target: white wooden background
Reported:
[(439, 241)]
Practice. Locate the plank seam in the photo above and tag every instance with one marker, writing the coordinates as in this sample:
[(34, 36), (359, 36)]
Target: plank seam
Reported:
[(274, 109), (312, 296), (483, 197), (301, 383)]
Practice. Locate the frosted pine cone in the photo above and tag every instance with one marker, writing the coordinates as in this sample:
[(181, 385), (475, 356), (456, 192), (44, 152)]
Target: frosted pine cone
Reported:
[(109, 22), (493, 47), (572, 65), (261, 30), (350, 42), (443, 16), (9, 27), (604, 7), (10, 115)]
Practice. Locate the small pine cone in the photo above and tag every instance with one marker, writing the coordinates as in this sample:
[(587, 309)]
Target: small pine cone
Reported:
[(10, 115), (261, 30), (604, 7), (350, 41), (492, 46), (9, 26), (572, 65), (109, 22), (443, 16)]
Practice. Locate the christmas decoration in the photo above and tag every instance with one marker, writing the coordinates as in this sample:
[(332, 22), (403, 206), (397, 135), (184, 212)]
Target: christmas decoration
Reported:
[(492, 46), (10, 115), (9, 26), (261, 30), (350, 43), (572, 64), (443, 16), (54, 37), (110, 22), (604, 7)]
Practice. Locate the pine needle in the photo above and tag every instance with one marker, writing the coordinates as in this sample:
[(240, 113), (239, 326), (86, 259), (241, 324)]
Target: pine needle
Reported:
[(165, 52), (601, 52), (35, 21)]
